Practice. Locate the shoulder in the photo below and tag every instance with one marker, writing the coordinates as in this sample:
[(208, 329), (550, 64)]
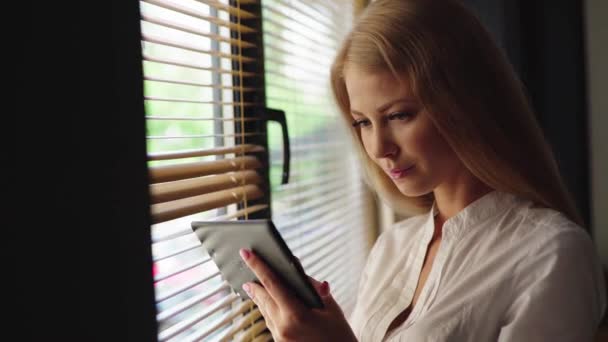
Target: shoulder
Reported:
[(547, 239), (548, 229), (559, 279), (560, 255)]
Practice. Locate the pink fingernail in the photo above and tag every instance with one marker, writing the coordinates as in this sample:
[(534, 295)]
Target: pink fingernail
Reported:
[(248, 290), (325, 288), (245, 253)]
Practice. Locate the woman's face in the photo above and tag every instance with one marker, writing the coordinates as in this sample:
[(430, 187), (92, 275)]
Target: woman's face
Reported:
[(397, 133)]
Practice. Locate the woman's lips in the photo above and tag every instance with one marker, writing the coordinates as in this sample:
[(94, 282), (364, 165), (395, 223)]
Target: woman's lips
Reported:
[(400, 173)]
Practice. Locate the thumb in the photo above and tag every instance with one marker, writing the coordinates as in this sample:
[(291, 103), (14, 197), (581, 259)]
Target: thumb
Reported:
[(329, 302), (322, 288), (324, 292)]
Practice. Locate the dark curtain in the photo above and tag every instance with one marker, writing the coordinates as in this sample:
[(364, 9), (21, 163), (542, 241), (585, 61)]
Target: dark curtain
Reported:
[(545, 42), (78, 246)]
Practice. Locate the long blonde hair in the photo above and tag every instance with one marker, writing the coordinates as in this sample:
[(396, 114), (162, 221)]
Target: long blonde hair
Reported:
[(469, 90)]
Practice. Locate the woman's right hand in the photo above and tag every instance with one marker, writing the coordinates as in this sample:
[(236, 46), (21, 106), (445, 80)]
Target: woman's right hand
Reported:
[(287, 318)]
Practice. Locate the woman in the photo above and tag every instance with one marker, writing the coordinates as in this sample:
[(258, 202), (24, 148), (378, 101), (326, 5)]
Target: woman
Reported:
[(495, 249)]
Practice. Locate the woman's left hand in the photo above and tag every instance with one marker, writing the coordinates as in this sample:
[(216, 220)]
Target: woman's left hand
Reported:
[(287, 317)]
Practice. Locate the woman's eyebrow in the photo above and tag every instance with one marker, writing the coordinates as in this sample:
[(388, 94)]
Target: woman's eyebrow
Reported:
[(391, 103), (385, 106)]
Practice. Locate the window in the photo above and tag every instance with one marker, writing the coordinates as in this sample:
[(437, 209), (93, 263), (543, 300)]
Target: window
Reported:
[(211, 156)]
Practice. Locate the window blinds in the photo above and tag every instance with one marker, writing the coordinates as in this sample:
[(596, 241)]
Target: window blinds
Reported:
[(199, 164), (202, 166), (322, 212)]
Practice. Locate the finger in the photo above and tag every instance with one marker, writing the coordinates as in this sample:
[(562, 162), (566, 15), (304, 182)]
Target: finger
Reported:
[(322, 288), (261, 298), (272, 284), (330, 304)]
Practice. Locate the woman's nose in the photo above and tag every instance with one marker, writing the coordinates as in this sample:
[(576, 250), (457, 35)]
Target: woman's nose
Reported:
[(385, 147)]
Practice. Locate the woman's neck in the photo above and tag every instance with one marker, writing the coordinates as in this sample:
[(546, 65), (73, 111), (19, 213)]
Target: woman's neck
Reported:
[(453, 197)]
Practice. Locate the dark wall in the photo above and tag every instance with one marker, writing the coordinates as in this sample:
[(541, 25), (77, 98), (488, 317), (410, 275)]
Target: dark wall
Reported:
[(544, 41)]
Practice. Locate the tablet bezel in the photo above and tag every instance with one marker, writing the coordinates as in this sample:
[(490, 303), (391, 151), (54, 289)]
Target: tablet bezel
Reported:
[(224, 239)]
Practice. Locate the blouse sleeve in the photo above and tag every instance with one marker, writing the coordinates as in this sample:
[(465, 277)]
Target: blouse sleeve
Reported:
[(560, 292)]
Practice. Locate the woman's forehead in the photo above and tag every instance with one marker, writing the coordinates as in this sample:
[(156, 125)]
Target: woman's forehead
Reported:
[(374, 88)]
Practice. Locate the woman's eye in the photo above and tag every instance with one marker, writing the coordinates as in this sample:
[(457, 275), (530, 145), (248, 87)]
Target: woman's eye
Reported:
[(361, 123), (399, 116)]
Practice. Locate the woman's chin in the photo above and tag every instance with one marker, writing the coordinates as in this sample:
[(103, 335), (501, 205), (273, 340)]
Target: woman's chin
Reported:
[(412, 191)]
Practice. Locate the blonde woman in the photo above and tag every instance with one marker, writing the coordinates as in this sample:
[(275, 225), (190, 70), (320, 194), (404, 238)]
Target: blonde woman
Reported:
[(493, 249)]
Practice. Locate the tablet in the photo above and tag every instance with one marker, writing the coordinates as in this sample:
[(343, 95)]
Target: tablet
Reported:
[(224, 239)]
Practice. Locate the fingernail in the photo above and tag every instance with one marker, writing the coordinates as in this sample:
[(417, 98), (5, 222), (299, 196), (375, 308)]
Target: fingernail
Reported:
[(248, 290), (325, 288), (245, 254)]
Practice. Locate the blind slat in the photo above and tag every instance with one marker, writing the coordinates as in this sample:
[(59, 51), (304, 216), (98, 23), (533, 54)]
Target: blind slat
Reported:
[(310, 228), (319, 202), (303, 9), (183, 325), (185, 287), (174, 252), (197, 84), (190, 302), (243, 213), (159, 236), (277, 85), (168, 173), (318, 43), (313, 181), (182, 100), (187, 206), (326, 256), (300, 6), (313, 265), (318, 158), (182, 268), (315, 192), (193, 30), (228, 8), (305, 249), (148, 38), (223, 320), (174, 62), (311, 72), (291, 14), (173, 137), (318, 146), (265, 337), (193, 13), (195, 118), (332, 273), (290, 50), (251, 332), (245, 322), (165, 192), (304, 78), (245, 148)]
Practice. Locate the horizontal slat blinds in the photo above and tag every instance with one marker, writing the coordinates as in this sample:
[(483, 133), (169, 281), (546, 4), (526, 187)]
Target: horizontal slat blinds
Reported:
[(198, 170), (321, 212)]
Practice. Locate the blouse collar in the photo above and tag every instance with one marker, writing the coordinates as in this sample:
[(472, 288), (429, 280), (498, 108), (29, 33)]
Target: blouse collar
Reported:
[(477, 212)]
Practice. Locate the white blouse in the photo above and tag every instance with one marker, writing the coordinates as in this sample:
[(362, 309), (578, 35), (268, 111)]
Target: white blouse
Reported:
[(504, 271)]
